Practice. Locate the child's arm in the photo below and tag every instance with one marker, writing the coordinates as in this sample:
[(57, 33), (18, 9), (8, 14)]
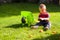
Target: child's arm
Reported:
[(44, 18)]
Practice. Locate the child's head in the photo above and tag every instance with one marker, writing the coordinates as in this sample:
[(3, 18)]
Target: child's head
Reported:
[(42, 7)]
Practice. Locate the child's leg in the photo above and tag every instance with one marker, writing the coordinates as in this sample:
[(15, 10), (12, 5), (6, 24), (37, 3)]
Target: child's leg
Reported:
[(47, 25), (37, 25)]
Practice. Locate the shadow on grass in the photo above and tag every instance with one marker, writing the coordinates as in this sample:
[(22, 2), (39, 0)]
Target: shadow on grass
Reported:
[(14, 9), (52, 37), (17, 26)]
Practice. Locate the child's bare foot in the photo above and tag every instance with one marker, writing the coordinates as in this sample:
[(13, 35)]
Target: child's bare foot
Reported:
[(46, 28)]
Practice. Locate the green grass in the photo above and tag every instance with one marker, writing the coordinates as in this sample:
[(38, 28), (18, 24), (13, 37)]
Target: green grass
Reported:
[(10, 28)]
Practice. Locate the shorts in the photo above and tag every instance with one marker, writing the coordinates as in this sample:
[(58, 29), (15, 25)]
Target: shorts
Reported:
[(45, 24)]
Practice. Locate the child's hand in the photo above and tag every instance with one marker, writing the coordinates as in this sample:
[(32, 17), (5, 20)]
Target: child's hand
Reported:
[(44, 18)]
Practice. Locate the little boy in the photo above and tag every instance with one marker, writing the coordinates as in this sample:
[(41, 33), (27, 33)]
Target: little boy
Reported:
[(43, 18)]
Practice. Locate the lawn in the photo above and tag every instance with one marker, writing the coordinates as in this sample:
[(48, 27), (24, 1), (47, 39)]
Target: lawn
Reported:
[(10, 28)]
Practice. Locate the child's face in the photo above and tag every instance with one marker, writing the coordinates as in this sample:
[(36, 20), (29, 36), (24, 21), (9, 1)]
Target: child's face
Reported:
[(42, 8)]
